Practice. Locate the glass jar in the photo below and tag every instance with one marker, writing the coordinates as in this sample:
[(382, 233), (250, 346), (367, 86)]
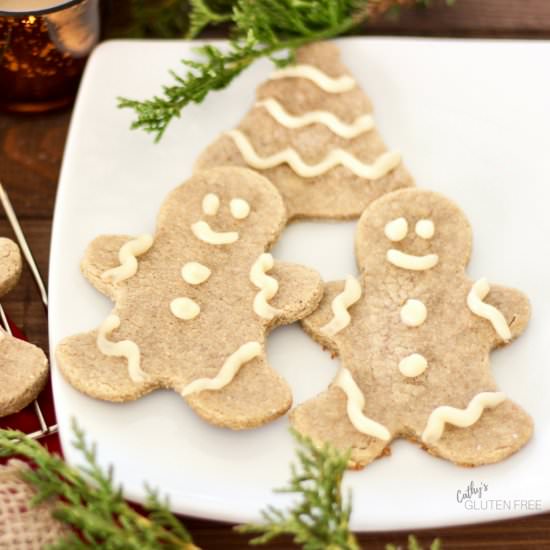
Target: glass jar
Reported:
[(44, 45)]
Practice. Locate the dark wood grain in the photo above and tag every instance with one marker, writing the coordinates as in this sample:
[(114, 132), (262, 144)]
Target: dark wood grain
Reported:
[(31, 150), (480, 18)]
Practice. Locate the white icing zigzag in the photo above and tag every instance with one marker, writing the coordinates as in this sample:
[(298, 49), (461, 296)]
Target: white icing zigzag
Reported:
[(355, 406), (127, 257), (337, 157), (124, 348), (229, 369), (331, 85), (459, 417), (361, 124), (268, 286), (477, 294), (340, 305)]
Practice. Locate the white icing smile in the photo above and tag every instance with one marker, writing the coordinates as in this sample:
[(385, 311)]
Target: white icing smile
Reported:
[(409, 261), (205, 233)]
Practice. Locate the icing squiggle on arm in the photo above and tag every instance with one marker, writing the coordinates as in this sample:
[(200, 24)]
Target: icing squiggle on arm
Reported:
[(355, 406), (124, 348), (229, 369), (361, 124), (327, 83), (461, 418), (341, 317), (337, 157), (409, 261), (205, 233), (477, 306), (268, 286), (127, 257)]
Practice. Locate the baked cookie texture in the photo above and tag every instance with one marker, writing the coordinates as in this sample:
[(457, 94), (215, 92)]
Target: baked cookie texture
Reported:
[(23, 366), (194, 304), (414, 334), (296, 117)]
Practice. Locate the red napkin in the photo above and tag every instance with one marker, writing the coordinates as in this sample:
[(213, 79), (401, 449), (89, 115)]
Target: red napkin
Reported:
[(26, 420)]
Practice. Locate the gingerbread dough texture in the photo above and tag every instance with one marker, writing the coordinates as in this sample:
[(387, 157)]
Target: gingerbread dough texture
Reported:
[(321, 144), (194, 303), (415, 348), (23, 366)]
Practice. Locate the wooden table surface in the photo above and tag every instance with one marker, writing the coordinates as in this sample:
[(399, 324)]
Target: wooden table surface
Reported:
[(31, 151)]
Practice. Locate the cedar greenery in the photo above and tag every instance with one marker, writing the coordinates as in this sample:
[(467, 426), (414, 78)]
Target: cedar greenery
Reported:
[(259, 28), (87, 500), (320, 519)]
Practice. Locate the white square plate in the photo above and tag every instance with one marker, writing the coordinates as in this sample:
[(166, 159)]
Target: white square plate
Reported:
[(472, 120)]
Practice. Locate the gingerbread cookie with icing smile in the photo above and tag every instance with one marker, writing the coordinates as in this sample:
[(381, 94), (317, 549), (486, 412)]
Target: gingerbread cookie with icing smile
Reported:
[(414, 335), (23, 366), (312, 133), (193, 304)]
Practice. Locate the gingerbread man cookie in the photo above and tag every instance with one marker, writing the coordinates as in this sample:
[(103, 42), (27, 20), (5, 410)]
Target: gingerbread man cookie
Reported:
[(414, 334), (193, 304), (312, 133), (23, 367)]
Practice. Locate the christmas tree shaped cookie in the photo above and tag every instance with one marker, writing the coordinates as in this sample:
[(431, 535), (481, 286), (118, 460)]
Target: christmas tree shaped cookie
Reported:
[(312, 133), (23, 367), (193, 304), (414, 334)]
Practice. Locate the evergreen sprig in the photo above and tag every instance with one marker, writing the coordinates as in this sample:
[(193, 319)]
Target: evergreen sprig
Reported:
[(320, 518), (260, 28), (87, 500)]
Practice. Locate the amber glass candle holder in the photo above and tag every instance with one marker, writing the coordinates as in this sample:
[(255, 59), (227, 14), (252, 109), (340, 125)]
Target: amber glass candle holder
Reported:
[(44, 45)]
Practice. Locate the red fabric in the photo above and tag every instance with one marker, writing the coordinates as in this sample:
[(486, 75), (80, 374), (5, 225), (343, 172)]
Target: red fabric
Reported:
[(26, 420)]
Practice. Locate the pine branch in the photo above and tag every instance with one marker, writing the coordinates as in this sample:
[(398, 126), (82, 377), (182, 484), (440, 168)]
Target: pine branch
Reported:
[(87, 500), (320, 518), (413, 544), (261, 28), (202, 15)]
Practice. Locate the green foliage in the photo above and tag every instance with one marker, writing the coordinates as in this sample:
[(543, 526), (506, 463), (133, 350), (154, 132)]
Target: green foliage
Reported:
[(260, 28), (413, 544), (320, 519), (202, 15), (88, 500)]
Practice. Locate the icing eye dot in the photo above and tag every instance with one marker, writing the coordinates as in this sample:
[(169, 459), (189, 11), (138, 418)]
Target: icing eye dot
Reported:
[(425, 229), (210, 204), (397, 229), (239, 209)]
